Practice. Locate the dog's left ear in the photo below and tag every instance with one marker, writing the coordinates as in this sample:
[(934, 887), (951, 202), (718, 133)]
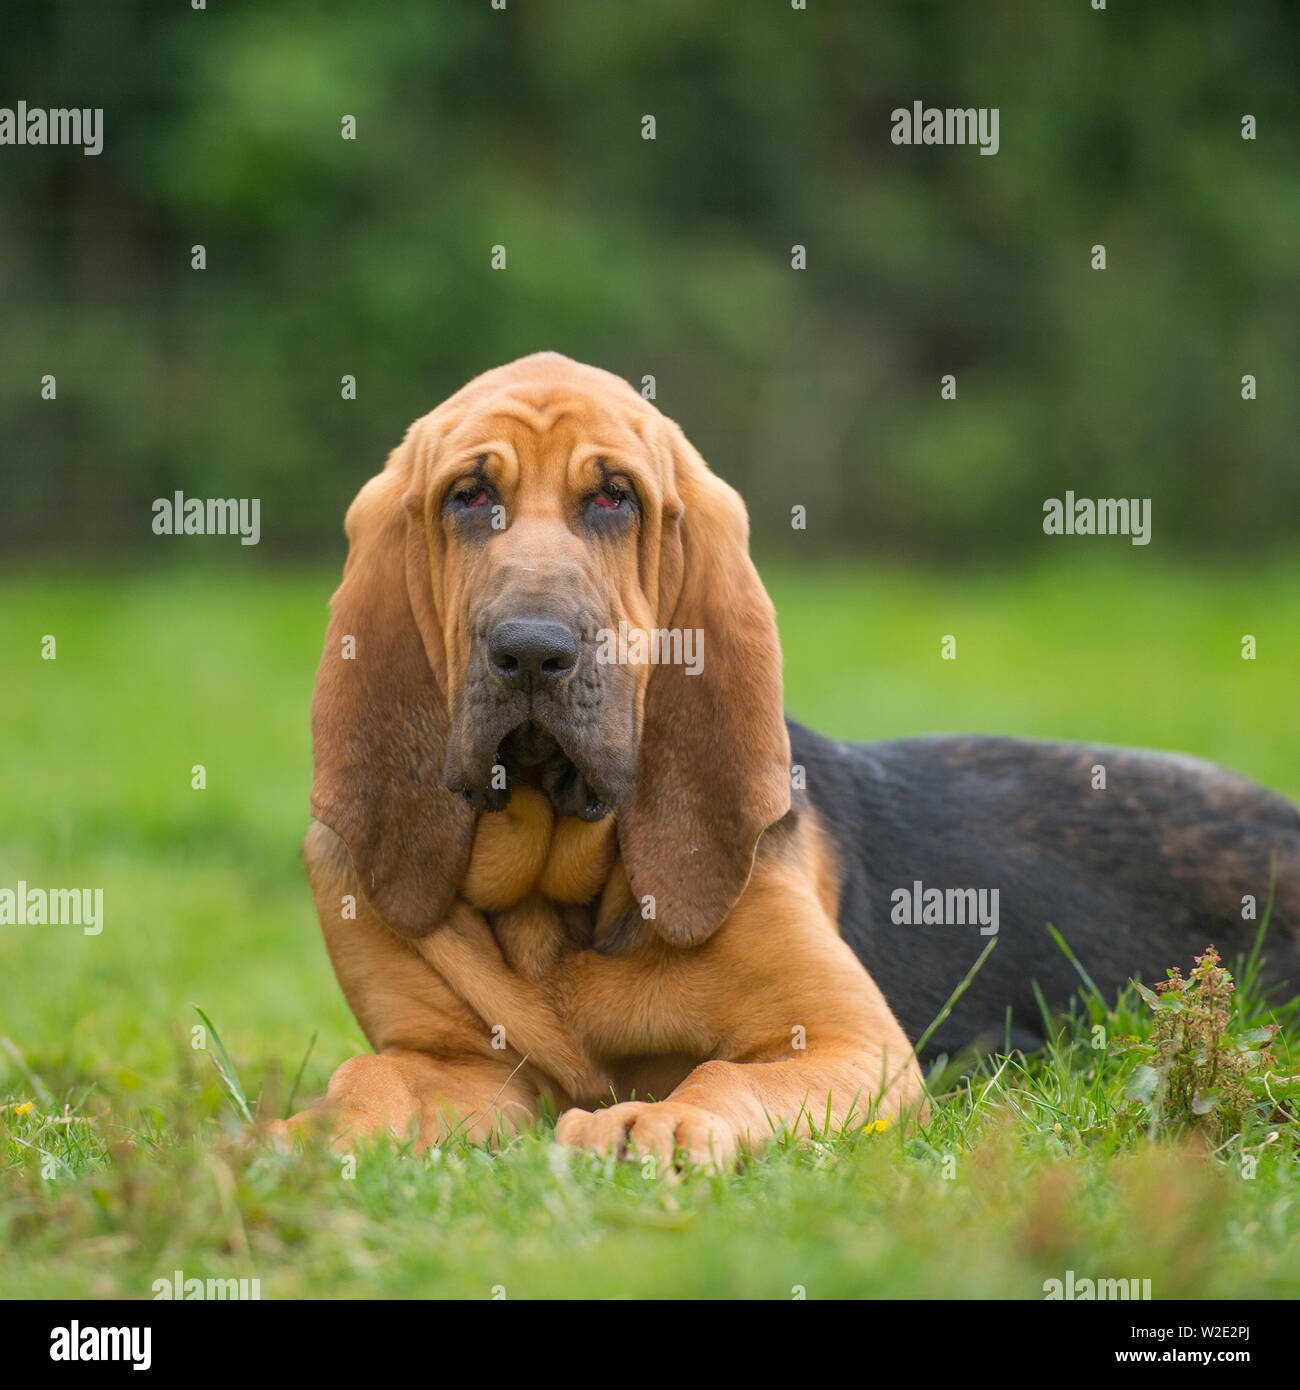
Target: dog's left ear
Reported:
[(713, 765)]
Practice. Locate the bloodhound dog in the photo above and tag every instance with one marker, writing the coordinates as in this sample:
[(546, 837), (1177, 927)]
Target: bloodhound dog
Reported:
[(568, 854)]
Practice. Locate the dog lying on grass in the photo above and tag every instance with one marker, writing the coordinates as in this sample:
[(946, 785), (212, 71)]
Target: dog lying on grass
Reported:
[(632, 889)]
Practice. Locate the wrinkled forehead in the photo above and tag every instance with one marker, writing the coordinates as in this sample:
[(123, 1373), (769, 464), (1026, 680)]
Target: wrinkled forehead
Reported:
[(545, 434)]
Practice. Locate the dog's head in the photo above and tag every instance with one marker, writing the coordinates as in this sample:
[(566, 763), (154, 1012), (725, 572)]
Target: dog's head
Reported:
[(546, 585)]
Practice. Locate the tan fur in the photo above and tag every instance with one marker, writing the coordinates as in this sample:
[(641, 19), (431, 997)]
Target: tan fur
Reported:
[(511, 849), (822, 874), (524, 848), (465, 954), (616, 902), (581, 857), (683, 952)]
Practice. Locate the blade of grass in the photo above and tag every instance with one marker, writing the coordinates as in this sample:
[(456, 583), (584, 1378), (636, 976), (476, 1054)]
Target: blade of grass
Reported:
[(1044, 1012), (1074, 961), (943, 1014), (225, 1067), (297, 1080), (1248, 973)]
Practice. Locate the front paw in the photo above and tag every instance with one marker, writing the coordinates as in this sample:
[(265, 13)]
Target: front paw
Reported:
[(672, 1132), (322, 1124), (368, 1098)]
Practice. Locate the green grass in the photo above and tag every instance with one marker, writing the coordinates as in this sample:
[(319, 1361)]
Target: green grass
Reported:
[(206, 903)]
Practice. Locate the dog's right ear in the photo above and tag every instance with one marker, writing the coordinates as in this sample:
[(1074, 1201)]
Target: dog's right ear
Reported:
[(380, 718)]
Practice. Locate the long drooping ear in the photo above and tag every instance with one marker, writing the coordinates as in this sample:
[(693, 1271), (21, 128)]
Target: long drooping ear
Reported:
[(379, 716), (713, 766)]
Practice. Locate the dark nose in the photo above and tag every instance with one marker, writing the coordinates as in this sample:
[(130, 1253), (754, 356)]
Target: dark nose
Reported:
[(532, 654)]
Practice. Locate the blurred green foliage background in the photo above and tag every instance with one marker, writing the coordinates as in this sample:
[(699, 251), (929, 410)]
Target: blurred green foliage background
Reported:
[(671, 258)]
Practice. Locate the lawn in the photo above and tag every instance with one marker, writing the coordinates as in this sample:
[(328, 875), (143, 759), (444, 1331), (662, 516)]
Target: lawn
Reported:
[(132, 1161)]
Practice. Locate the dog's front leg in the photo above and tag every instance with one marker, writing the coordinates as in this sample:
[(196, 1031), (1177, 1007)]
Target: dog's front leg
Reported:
[(724, 1109), (802, 1040), (435, 1071), (417, 1096)]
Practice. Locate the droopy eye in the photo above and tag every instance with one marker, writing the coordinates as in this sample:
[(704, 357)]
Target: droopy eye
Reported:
[(611, 497), (470, 495)]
